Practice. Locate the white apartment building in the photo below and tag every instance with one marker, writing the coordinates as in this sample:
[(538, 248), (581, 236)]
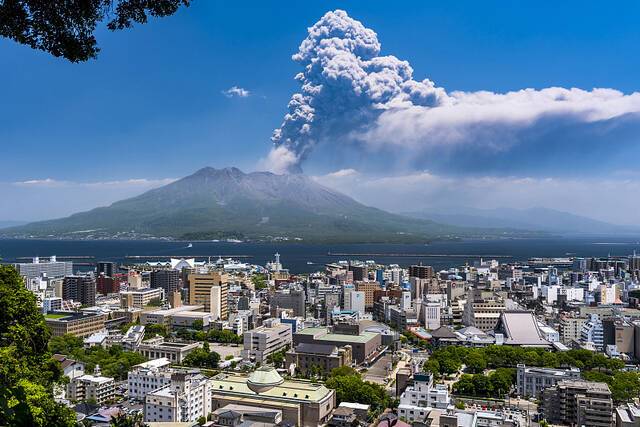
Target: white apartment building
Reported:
[(418, 399), (185, 399), (95, 387), (354, 301), (593, 332), (532, 381), (148, 377), (265, 340)]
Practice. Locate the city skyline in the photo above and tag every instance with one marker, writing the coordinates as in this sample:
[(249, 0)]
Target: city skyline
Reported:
[(165, 111)]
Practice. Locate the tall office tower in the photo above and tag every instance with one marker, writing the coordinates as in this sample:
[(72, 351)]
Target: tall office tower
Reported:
[(81, 289), (211, 290), (294, 299), (421, 271), (169, 280), (634, 262), (107, 285), (360, 272), (107, 268), (51, 268)]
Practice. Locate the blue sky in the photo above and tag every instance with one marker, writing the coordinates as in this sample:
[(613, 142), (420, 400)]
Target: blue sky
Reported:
[(151, 106)]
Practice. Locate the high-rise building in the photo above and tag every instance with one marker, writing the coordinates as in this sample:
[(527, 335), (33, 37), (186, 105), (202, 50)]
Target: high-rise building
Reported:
[(578, 403), (211, 290), (270, 338), (421, 271), (369, 289), (360, 272), (107, 268), (51, 268), (168, 280), (293, 299), (107, 285), (81, 289)]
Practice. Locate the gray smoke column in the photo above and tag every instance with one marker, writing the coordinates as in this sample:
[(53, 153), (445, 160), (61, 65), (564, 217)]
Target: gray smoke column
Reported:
[(345, 86), (350, 93)]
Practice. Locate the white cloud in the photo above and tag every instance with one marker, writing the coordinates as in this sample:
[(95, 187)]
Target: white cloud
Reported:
[(134, 182), (235, 91)]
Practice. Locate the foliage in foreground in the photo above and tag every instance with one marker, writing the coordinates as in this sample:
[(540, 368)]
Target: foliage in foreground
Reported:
[(27, 371)]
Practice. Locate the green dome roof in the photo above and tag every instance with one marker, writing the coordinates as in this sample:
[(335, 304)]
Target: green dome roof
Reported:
[(263, 379)]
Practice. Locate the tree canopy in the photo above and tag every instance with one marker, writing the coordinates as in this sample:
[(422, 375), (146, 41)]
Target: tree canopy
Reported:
[(27, 371), (65, 28)]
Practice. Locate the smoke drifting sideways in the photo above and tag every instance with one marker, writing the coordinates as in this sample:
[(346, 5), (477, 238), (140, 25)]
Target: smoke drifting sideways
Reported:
[(351, 94)]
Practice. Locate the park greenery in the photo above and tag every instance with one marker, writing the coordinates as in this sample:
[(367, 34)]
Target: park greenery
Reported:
[(114, 361), (28, 373), (497, 384), (503, 359), (259, 281), (212, 335), (202, 358), (350, 387), (449, 360)]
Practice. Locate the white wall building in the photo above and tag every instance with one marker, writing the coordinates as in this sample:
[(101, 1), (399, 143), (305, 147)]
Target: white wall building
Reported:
[(185, 399), (418, 399), (148, 377), (260, 342)]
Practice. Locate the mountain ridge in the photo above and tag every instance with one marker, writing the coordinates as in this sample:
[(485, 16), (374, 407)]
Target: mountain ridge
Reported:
[(230, 204), (536, 218)]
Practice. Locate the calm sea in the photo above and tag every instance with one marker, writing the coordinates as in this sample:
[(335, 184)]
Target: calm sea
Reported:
[(305, 258)]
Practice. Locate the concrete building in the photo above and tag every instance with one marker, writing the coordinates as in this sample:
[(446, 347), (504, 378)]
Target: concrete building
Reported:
[(267, 339), (418, 399), (40, 268), (531, 381), (156, 348), (431, 315), (592, 332), (363, 344), (185, 399), (302, 403), (421, 271), (80, 289), (578, 403), (628, 415), (92, 387), (483, 310), (140, 298), (619, 332), (147, 377), (293, 299), (570, 328), (81, 324), (319, 359), (369, 289), (354, 301), (182, 316), (169, 280), (211, 290)]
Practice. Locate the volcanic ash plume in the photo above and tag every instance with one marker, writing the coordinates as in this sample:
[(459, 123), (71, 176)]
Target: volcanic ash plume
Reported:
[(351, 94)]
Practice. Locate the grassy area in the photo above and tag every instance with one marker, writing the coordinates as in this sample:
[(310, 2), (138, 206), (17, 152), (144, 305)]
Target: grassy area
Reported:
[(55, 316)]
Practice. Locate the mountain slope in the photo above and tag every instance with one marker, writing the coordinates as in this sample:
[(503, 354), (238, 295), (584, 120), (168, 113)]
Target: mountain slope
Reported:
[(227, 203), (542, 219)]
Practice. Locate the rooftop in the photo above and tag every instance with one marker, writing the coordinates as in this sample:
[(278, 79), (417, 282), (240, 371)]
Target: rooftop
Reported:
[(322, 334), (288, 390)]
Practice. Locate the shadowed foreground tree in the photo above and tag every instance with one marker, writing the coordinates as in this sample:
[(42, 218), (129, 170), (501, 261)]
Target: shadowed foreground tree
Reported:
[(65, 28), (27, 371)]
